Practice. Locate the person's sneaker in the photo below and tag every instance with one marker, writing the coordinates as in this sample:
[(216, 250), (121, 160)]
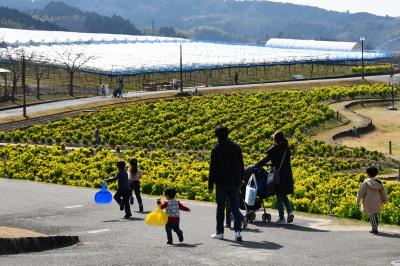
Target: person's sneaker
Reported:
[(180, 237), (217, 236), (169, 243), (290, 218), (238, 236), (141, 208), (127, 216), (374, 231), (281, 221), (121, 206), (131, 200)]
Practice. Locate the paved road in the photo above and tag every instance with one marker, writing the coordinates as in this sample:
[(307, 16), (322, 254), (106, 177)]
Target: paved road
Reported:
[(75, 103), (107, 239)]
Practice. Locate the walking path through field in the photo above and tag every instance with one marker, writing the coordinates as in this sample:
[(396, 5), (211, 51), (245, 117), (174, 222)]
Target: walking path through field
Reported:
[(107, 239), (77, 104), (355, 121)]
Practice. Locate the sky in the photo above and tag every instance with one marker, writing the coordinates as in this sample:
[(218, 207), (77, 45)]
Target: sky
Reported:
[(377, 7)]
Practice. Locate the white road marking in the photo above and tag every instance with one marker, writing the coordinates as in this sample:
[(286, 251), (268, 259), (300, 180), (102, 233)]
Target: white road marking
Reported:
[(73, 206), (396, 263), (98, 231)]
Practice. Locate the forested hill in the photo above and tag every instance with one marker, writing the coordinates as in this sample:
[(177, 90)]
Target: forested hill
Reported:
[(242, 21), (73, 19), (11, 18)]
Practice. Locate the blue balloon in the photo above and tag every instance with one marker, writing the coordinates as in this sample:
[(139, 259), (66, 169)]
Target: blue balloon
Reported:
[(103, 196)]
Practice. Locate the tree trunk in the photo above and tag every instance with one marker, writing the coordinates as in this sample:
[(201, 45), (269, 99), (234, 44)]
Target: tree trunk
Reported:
[(5, 86), (38, 87), (71, 83), (14, 88)]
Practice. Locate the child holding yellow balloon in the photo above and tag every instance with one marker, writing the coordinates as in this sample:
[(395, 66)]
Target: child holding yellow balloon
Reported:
[(172, 207)]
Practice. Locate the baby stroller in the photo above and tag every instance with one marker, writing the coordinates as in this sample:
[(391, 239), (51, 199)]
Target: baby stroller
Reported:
[(117, 93), (263, 192)]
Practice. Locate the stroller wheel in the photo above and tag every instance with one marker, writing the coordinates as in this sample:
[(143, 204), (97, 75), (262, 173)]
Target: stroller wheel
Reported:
[(251, 217), (245, 221), (266, 217)]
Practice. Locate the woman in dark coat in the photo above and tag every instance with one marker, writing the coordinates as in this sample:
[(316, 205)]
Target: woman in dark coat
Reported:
[(278, 151)]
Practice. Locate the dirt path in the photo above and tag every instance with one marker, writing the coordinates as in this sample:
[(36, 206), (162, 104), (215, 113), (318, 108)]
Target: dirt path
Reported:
[(355, 121), (387, 128)]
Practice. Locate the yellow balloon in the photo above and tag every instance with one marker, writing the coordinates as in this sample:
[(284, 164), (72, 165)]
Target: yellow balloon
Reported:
[(157, 218)]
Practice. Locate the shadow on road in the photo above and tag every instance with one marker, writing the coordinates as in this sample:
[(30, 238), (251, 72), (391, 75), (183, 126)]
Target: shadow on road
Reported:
[(145, 212), (185, 245), (389, 235), (123, 220), (255, 245), (252, 230), (289, 227)]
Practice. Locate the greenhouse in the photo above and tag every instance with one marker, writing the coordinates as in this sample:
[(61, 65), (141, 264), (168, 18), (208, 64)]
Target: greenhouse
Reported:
[(313, 45), (132, 55)]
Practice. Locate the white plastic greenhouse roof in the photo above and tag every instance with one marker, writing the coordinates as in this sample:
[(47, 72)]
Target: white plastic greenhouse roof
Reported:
[(311, 45), (115, 54)]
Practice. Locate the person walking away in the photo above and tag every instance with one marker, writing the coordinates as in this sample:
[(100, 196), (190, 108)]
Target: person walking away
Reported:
[(134, 176), (97, 138), (236, 78), (226, 173), (174, 84), (279, 156), (373, 195), (123, 190), (103, 91), (172, 207)]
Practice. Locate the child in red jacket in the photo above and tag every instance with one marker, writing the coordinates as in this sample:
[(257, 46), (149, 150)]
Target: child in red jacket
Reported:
[(172, 207)]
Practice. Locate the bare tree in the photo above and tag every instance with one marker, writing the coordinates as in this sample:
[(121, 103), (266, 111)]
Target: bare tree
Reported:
[(40, 66), (13, 58), (73, 62)]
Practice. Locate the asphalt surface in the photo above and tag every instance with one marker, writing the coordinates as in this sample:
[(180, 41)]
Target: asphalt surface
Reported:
[(107, 239)]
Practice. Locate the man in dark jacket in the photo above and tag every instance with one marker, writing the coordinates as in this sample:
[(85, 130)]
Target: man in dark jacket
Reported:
[(226, 172)]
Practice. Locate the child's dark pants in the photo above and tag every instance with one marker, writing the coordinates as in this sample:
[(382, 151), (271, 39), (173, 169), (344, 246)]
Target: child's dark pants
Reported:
[(125, 195), (173, 226)]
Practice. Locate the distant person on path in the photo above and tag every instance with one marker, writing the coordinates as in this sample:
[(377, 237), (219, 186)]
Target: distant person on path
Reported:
[(279, 154), (97, 138), (123, 190), (226, 173), (172, 207), (373, 195), (236, 78), (134, 176), (119, 89), (174, 84), (103, 91)]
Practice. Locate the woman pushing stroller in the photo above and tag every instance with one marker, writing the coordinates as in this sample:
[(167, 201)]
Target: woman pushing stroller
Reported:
[(279, 156)]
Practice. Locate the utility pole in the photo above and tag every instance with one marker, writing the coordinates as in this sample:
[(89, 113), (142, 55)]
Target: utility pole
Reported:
[(23, 85), (152, 27), (181, 70), (362, 39)]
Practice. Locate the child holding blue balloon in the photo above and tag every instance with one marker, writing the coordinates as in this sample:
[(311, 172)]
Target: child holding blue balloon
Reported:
[(123, 191)]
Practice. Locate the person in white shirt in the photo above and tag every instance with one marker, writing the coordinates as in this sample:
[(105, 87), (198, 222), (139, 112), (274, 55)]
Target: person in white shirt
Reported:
[(134, 176)]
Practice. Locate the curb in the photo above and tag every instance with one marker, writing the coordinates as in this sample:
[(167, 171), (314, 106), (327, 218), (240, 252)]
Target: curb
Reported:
[(31, 244)]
